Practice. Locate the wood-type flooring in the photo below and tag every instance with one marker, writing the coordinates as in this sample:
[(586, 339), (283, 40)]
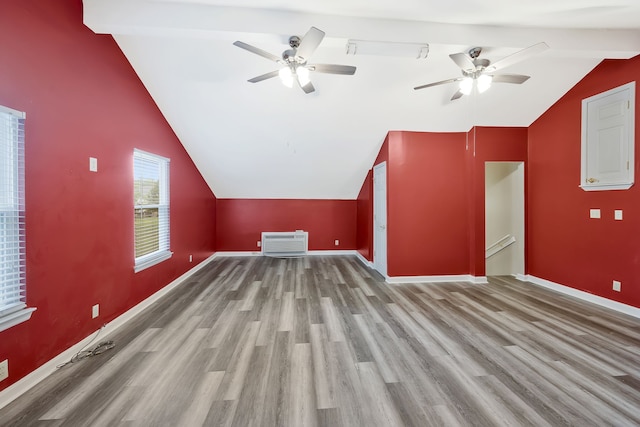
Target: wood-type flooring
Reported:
[(324, 341)]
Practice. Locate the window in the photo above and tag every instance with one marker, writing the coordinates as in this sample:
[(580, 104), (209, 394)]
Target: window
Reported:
[(151, 209), (608, 139), (13, 307)]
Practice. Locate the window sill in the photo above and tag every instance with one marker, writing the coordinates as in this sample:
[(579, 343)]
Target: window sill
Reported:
[(16, 317), (151, 260)]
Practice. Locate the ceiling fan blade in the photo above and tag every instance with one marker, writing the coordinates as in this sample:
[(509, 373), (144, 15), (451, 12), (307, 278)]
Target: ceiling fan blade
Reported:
[(309, 44), (257, 51), (264, 77), (457, 95), (308, 88), (520, 55), (347, 70), (439, 83), (463, 61), (510, 78)]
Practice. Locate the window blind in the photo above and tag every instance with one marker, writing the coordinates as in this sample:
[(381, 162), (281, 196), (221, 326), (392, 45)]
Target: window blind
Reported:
[(12, 228), (151, 209)]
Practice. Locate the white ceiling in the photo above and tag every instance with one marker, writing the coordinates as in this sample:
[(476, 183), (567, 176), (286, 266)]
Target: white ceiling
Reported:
[(264, 140)]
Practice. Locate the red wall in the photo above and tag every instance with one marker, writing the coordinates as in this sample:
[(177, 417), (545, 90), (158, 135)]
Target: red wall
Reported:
[(240, 222), (435, 198), (82, 98), (426, 200), (364, 225), (565, 246)]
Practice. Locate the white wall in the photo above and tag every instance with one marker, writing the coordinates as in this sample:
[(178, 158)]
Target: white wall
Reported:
[(504, 214)]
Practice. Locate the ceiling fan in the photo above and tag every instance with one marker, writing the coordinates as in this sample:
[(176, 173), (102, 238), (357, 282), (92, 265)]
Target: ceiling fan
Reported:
[(479, 71), (295, 60)]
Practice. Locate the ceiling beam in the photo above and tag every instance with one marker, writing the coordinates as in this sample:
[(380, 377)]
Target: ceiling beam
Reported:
[(134, 17)]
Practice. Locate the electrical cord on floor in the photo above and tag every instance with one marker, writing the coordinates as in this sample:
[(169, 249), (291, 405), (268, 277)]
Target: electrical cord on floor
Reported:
[(83, 354)]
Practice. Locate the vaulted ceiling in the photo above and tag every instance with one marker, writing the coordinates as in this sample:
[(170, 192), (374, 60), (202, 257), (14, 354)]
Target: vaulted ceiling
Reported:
[(265, 140)]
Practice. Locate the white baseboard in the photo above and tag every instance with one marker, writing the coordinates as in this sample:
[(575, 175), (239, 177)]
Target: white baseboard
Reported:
[(23, 385), (585, 296), (437, 279), (363, 260), (222, 254), (332, 252), (425, 279)]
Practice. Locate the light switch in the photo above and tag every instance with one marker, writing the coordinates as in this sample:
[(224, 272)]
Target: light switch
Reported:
[(594, 213), (93, 164), (617, 214)]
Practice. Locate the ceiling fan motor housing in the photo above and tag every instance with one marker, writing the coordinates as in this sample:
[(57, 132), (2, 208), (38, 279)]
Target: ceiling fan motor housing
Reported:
[(294, 42), (474, 52)]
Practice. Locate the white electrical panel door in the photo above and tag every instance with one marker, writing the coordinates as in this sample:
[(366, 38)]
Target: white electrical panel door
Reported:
[(608, 140)]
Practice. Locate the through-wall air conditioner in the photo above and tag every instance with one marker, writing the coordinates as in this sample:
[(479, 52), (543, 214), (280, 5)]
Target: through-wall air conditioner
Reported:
[(285, 244)]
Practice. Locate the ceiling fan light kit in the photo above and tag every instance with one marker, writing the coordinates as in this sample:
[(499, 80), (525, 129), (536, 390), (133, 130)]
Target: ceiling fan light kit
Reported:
[(478, 72), (295, 60), (286, 77), (484, 82), (303, 75), (466, 85)]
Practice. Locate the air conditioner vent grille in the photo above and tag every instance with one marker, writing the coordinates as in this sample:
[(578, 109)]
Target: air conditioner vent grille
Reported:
[(293, 243)]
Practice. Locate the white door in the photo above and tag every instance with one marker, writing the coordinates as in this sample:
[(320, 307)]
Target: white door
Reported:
[(380, 218), (504, 218)]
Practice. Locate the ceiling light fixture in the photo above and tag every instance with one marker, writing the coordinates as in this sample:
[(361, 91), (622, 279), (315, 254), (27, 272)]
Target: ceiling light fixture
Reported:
[(484, 82), (466, 85), (286, 76), (303, 75)]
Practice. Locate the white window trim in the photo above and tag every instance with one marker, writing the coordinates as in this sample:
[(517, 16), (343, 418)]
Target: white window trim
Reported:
[(149, 260), (18, 313)]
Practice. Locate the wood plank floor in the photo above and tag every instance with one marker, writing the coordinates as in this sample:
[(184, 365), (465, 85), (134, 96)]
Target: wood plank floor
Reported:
[(323, 341)]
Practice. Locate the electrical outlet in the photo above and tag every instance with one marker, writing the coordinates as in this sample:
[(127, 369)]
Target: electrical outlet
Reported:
[(93, 164), (190, 258), (337, 242), (617, 214), (616, 286), (4, 369), (594, 213), (259, 243), (95, 311)]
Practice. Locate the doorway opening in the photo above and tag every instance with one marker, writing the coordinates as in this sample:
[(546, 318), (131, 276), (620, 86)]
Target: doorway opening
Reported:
[(380, 218), (504, 218)]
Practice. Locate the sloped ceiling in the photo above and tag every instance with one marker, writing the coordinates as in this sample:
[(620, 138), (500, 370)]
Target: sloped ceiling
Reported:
[(264, 140)]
